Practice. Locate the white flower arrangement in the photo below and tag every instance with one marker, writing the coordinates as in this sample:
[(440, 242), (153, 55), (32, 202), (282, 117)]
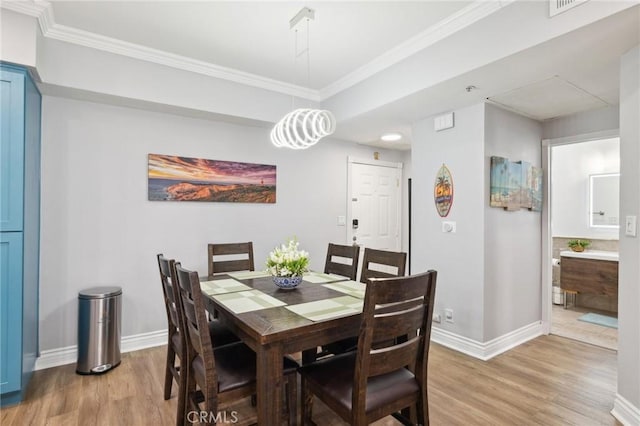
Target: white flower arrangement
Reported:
[(288, 261)]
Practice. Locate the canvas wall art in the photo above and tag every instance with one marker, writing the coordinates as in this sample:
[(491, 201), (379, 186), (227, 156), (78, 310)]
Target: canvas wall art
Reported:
[(173, 178), (515, 185)]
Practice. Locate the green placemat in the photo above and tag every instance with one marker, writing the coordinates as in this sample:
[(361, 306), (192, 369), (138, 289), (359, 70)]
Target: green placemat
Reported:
[(246, 275), (352, 288), (320, 277), (328, 308), (227, 285), (247, 301)]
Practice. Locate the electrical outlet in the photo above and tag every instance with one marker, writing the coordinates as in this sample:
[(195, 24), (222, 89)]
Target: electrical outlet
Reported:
[(437, 318), (448, 315)]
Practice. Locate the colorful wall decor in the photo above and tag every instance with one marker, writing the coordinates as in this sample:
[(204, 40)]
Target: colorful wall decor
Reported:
[(173, 178), (443, 191), (515, 185)]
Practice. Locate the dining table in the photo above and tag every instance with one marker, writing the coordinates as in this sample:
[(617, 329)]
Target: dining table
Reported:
[(323, 308)]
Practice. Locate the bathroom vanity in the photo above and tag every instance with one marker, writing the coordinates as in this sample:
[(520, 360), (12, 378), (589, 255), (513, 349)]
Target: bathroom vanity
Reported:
[(590, 272)]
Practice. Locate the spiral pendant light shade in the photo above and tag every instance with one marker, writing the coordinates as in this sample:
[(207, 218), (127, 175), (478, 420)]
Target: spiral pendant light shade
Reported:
[(302, 128)]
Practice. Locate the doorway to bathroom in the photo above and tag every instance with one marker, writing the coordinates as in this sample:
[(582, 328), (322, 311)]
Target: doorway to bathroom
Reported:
[(583, 215)]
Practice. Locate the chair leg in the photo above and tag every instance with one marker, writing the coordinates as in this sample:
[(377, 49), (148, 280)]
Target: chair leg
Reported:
[(188, 405), (168, 374), (422, 408), (307, 403), (292, 398), (182, 397)]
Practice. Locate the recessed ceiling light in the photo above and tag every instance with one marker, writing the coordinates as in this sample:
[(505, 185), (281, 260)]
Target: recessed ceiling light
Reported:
[(391, 137)]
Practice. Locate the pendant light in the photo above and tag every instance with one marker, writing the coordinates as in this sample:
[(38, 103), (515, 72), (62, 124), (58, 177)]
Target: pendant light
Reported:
[(302, 127)]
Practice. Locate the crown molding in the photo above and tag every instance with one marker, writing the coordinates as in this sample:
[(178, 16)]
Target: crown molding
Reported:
[(50, 29), (44, 12), (452, 24), (29, 8)]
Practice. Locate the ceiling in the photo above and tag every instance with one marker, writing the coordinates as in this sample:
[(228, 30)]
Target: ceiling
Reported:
[(574, 72)]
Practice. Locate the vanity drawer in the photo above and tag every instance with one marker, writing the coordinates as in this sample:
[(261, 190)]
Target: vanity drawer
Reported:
[(589, 276)]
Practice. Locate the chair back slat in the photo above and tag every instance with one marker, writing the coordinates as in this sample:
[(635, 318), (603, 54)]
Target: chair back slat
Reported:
[(396, 324), (394, 357), (350, 256), (398, 312), (223, 258), (382, 264)]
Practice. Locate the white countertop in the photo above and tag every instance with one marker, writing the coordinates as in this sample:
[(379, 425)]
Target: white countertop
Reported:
[(592, 254)]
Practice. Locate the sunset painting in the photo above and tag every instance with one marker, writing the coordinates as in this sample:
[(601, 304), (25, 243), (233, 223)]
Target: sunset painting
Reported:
[(174, 178)]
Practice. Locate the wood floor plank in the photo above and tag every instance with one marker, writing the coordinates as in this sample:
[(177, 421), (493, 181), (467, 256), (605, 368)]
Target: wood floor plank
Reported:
[(547, 381)]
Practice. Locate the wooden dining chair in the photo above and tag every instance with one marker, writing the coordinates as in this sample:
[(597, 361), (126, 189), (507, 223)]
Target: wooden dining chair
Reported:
[(219, 375), (342, 260), (375, 264), (382, 264), (374, 382), (176, 343), (230, 257)]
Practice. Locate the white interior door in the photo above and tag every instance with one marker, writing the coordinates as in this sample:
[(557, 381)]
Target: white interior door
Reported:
[(375, 196)]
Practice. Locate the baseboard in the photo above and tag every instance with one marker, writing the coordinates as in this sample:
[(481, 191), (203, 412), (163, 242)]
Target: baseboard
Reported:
[(625, 412), (69, 355), (487, 350)]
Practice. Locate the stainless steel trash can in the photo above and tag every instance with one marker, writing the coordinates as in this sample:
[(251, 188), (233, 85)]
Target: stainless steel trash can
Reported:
[(99, 323)]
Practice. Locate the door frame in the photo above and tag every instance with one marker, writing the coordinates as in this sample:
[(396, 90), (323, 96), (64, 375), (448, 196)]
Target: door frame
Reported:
[(547, 238), (354, 160)]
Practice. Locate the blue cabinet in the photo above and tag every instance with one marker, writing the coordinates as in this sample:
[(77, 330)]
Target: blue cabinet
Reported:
[(19, 230)]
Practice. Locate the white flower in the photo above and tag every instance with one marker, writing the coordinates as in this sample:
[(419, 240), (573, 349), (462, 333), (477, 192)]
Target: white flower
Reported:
[(287, 261)]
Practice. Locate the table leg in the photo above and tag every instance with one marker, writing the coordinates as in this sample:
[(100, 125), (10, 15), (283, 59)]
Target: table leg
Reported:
[(269, 384)]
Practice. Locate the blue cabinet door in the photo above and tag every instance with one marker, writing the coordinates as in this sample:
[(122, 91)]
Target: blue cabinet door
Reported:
[(12, 112), (10, 311)]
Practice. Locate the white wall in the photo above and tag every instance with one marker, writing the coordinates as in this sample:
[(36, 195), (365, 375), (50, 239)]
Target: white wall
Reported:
[(629, 274), (489, 270), (512, 239), (571, 166), (582, 123), (459, 257), (98, 227)]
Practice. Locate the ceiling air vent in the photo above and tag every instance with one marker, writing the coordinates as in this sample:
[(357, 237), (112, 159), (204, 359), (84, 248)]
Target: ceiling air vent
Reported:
[(559, 6)]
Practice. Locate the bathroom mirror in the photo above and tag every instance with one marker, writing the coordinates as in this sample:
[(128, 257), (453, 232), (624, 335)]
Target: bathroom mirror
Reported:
[(604, 194)]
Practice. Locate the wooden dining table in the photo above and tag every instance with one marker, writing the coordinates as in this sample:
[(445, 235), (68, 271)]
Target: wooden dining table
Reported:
[(276, 331)]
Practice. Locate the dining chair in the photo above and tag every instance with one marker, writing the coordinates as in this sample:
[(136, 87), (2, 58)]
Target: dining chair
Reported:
[(342, 260), (374, 382), (230, 257), (218, 375), (382, 264), (375, 264), (220, 334)]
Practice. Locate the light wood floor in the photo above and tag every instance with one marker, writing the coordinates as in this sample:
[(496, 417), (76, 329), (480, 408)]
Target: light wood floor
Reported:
[(565, 323), (547, 381)]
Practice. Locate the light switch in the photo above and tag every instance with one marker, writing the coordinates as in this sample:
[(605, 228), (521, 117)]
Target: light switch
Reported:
[(342, 221), (630, 226)]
